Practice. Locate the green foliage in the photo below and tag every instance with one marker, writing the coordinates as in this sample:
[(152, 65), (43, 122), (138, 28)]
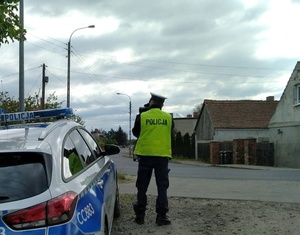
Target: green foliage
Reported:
[(9, 104), (121, 176), (32, 103), (193, 142), (118, 137), (10, 27), (121, 136), (178, 144), (183, 147), (77, 119), (186, 145)]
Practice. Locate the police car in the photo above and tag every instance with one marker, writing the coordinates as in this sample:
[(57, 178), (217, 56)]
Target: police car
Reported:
[(55, 179)]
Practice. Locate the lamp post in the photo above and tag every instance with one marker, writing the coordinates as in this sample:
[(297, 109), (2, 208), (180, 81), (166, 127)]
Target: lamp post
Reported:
[(69, 60), (129, 133)]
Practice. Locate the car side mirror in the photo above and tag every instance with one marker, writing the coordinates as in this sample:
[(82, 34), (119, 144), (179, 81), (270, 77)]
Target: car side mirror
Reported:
[(111, 149)]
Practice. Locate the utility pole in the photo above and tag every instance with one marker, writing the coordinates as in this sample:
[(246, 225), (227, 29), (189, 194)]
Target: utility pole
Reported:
[(69, 62), (129, 132), (130, 149), (21, 61), (45, 80)]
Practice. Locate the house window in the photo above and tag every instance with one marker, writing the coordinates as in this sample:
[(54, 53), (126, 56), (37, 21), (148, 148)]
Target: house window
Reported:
[(298, 94)]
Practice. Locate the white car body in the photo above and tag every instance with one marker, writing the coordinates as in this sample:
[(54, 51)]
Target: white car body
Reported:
[(92, 192)]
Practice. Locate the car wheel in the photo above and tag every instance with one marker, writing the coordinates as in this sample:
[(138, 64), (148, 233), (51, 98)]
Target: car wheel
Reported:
[(117, 212)]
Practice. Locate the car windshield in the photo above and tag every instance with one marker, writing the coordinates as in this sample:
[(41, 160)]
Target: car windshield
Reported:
[(18, 171)]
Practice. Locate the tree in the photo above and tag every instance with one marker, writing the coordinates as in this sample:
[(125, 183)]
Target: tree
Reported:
[(77, 119), (186, 145), (32, 103), (183, 146), (121, 136), (110, 134), (178, 144), (198, 108), (193, 145), (7, 103), (117, 137), (10, 27)]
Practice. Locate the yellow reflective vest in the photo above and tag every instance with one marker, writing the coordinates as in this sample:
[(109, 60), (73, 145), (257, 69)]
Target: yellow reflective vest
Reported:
[(155, 135)]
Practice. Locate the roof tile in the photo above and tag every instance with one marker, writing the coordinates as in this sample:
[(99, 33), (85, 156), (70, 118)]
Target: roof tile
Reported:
[(240, 114)]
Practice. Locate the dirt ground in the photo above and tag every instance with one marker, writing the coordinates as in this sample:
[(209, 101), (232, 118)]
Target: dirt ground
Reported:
[(210, 217)]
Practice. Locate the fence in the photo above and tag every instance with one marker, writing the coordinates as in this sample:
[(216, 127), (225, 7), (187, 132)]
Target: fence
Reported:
[(237, 152), (265, 154)]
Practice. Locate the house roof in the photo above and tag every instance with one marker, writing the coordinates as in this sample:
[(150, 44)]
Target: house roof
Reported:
[(239, 114)]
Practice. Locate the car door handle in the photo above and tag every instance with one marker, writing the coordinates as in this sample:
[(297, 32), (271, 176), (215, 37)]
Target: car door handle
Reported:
[(108, 171), (100, 183)]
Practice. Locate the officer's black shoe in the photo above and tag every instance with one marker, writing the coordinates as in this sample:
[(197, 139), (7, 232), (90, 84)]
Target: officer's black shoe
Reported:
[(139, 220), (162, 219), (139, 214)]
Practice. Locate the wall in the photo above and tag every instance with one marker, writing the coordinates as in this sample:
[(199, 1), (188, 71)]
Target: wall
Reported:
[(286, 146), (230, 134), (243, 152), (205, 128), (285, 125), (185, 125)]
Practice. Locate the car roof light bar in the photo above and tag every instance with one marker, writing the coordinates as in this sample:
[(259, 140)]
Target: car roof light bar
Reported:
[(32, 115)]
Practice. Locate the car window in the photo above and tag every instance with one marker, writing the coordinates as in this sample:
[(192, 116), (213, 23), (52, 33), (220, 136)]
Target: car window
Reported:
[(81, 147), (20, 170), (92, 143), (72, 162), (77, 154)]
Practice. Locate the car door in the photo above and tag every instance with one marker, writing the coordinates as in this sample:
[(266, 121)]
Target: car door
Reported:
[(89, 183), (88, 215), (106, 179)]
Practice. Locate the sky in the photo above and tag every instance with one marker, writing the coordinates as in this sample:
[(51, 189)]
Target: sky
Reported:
[(187, 51)]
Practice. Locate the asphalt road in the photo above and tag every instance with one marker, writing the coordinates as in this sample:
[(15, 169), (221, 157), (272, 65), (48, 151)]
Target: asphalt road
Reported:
[(221, 182)]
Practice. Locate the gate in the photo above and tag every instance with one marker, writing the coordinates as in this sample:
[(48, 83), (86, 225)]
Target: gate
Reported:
[(204, 152), (265, 154)]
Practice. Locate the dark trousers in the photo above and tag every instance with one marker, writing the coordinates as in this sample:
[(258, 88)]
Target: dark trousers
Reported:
[(161, 171)]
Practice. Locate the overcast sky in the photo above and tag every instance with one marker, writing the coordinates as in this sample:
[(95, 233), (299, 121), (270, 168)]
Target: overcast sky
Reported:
[(187, 51)]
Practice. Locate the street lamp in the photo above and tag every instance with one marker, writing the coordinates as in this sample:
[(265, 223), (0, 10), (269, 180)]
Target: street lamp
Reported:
[(129, 121), (69, 60)]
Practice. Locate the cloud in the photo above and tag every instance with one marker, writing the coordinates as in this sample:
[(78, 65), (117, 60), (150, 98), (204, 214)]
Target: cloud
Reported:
[(186, 50)]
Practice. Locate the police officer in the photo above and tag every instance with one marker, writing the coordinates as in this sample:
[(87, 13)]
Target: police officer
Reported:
[(153, 129)]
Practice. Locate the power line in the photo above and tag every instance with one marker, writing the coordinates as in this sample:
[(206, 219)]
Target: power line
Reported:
[(199, 72), (170, 62), (49, 41), (168, 81), (192, 64), (17, 73), (45, 48)]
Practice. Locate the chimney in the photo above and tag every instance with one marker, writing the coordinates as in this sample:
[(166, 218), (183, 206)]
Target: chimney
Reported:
[(270, 98)]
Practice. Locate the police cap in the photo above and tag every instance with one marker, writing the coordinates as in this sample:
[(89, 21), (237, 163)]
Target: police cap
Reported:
[(157, 97)]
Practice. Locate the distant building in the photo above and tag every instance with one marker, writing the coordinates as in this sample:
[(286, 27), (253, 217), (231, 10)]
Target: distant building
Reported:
[(226, 120), (97, 134), (186, 124)]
